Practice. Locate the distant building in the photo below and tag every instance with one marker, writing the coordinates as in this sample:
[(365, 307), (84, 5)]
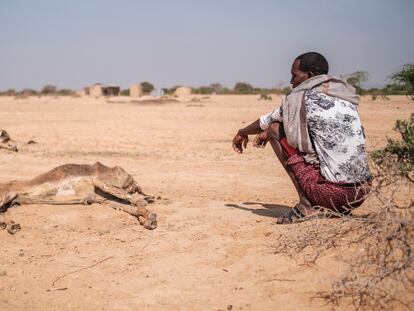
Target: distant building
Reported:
[(182, 91), (98, 90), (157, 93), (135, 90), (95, 90), (111, 90)]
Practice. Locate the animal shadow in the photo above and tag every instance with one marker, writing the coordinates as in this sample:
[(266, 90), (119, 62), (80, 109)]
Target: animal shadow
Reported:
[(269, 210)]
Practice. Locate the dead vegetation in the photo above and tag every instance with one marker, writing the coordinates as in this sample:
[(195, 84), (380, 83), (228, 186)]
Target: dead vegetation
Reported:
[(376, 247)]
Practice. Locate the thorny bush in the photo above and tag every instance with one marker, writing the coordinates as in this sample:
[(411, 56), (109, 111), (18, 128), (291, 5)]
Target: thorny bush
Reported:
[(376, 242)]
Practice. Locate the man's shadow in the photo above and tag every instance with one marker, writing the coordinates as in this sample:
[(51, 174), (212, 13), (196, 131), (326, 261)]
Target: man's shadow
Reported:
[(269, 210)]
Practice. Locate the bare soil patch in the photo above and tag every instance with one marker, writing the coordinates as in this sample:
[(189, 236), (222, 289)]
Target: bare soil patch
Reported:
[(216, 218)]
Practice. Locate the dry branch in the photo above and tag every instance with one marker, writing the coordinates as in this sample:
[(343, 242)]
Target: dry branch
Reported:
[(378, 248)]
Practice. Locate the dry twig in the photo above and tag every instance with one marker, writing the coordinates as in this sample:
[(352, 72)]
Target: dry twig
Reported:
[(380, 247), (84, 268)]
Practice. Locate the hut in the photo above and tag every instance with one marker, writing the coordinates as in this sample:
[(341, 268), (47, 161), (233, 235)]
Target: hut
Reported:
[(135, 90), (157, 93), (96, 90), (182, 91), (111, 90)]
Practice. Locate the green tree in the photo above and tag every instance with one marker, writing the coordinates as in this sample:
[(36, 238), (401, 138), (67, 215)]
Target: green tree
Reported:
[(28, 92), (147, 87), (204, 90), (66, 92), (125, 92), (10, 92), (356, 79), (48, 90), (405, 79), (217, 87), (399, 154), (243, 88)]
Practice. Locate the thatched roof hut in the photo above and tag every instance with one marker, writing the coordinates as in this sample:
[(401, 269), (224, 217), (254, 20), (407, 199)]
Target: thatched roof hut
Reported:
[(98, 90), (182, 91), (135, 90)]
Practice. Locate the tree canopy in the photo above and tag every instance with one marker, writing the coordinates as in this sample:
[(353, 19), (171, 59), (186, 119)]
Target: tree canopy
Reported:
[(405, 79), (147, 87)]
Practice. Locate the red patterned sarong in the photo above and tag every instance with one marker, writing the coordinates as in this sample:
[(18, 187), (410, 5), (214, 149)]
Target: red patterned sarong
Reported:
[(339, 197)]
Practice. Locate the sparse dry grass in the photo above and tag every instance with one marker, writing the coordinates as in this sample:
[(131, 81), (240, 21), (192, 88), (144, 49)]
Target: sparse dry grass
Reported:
[(377, 246)]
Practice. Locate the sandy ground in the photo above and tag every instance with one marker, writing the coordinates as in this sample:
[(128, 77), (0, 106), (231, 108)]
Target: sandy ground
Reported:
[(212, 248)]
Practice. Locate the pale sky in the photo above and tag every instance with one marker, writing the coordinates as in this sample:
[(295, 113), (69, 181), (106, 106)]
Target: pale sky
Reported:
[(76, 43)]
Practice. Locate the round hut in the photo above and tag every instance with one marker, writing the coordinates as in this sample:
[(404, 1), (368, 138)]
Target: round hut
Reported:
[(182, 91), (96, 90), (135, 90)]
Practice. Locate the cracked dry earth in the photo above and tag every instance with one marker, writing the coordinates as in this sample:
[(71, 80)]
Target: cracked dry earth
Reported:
[(216, 216)]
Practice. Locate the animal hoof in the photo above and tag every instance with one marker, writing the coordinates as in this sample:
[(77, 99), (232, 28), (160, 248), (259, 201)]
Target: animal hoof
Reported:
[(12, 227), (89, 199), (151, 222), (150, 199)]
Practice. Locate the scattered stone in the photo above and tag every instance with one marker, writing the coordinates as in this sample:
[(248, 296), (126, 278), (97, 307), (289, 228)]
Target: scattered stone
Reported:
[(10, 227)]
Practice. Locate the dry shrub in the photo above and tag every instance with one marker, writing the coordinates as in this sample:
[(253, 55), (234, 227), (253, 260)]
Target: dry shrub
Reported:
[(377, 246)]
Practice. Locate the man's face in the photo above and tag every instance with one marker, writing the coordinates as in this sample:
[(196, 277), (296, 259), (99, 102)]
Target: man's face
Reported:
[(298, 76)]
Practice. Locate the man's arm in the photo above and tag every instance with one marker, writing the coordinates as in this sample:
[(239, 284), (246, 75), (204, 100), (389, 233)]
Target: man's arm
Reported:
[(241, 139), (257, 127)]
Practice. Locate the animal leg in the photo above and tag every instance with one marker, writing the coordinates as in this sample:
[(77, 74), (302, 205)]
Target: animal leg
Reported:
[(10, 226), (25, 199), (7, 200), (149, 221), (9, 147), (137, 209)]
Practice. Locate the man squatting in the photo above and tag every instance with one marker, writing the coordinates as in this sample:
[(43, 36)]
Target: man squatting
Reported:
[(317, 135)]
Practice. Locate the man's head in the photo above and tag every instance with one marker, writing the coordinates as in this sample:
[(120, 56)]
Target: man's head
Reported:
[(306, 66)]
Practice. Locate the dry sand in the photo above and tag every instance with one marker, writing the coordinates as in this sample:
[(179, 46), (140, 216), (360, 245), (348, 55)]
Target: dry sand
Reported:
[(211, 250)]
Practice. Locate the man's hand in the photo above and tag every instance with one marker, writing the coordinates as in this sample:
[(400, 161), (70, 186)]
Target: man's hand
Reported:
[(260, 140), (240, 141)]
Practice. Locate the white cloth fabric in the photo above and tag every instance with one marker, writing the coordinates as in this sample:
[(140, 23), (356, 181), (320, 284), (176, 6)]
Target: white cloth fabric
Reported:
[(272, 116), (337, 136), (294, 114)]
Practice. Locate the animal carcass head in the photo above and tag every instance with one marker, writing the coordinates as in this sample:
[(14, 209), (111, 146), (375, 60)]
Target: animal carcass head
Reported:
[(126, 181)]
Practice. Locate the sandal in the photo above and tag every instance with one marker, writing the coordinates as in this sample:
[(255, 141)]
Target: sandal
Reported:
[(295, 215)]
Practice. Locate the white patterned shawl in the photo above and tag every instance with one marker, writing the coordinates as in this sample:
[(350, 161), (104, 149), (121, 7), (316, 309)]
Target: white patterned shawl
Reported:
[(294, 111)]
